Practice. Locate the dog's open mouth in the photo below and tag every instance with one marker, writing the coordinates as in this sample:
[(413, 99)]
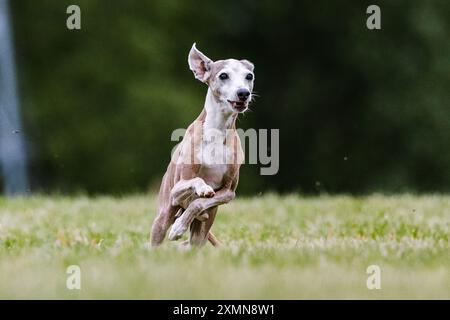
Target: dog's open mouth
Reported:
[(239, 106)]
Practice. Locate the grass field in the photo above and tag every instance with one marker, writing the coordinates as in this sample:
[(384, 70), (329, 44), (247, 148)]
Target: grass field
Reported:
[(288, 247)]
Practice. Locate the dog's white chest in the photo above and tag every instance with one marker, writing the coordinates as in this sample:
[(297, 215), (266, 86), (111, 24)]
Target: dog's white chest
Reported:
[(216, 153), (213, 174)]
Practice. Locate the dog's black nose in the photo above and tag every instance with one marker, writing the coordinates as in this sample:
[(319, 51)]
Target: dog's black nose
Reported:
[(243, 94)]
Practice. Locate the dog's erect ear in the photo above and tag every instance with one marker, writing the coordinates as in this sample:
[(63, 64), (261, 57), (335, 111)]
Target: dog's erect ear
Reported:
[(248, 65), (199, 64)]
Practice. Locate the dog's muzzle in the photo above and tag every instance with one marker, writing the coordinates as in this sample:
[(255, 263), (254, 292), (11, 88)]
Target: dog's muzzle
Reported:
[(239, 106)]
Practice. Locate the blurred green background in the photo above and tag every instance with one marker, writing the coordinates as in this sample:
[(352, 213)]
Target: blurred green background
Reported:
[(358, 110)]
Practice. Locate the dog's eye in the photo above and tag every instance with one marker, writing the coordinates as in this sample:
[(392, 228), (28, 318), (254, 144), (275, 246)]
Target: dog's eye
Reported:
[(249, 77), (223, 76)]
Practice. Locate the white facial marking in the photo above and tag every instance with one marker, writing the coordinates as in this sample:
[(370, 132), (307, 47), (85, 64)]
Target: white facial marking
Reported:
[(222, 101), (230, 86), (236, 80)]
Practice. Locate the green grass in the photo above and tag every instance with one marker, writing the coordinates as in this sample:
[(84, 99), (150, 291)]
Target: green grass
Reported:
[(288, 247)]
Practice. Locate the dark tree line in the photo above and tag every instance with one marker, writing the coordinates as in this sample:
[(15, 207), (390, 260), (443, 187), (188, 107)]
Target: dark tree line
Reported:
[(358, 110)]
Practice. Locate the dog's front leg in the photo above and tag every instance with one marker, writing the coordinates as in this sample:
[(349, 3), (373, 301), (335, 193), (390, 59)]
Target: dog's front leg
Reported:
[(195, 208), (184, 189)]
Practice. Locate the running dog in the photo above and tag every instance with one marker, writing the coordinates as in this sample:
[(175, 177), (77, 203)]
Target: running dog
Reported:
[(204, 169)]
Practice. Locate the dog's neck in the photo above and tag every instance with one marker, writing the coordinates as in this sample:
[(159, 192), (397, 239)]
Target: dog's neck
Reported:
[(218, 114)]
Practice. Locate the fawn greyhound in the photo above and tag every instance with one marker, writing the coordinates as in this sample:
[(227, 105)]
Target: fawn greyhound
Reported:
[(204, 169)]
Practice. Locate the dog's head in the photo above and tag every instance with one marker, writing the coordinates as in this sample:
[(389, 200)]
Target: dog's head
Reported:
[(231, 80)]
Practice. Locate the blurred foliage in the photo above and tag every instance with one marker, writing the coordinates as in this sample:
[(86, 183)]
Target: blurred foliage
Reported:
[(358, 110)]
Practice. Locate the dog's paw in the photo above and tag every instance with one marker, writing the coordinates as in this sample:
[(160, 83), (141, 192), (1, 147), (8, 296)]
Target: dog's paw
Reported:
[(205, 191), (177, 230)]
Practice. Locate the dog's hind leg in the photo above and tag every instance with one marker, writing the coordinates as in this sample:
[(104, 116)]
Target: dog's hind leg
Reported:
[(200, 229)]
